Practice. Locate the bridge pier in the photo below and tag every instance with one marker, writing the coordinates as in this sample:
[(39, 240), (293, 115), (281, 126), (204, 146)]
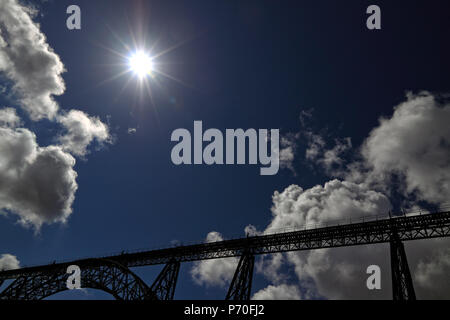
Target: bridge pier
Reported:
[(241, 285), (165, 283), (402, 285)]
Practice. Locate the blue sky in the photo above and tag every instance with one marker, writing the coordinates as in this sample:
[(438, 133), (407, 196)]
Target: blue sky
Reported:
[(232, 64)]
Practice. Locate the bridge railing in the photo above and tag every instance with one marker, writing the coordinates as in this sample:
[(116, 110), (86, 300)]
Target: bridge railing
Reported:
[(361, 219)]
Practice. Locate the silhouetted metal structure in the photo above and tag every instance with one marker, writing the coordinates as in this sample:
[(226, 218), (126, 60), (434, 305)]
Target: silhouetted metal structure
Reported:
[(165, 283), (101, 274), (241, 285), (402, 285), (112, 273)]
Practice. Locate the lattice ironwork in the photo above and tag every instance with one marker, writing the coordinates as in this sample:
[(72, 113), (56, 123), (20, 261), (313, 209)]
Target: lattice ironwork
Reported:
[(105, 275), (164, 285), (241, 285), (112, 275), (402, 285), (432, 225)]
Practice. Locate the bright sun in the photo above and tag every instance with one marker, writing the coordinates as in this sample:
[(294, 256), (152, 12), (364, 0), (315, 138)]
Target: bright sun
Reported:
[(141, 64)]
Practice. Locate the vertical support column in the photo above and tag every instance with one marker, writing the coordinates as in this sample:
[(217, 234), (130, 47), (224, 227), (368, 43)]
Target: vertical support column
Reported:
[(241, 285), (164, 286), (402, 285)]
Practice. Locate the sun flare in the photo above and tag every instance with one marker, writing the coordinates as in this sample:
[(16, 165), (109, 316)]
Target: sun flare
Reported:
[(141, 64)]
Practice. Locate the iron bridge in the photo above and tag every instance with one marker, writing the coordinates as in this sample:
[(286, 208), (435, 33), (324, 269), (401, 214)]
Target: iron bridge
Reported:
[(112, 274)]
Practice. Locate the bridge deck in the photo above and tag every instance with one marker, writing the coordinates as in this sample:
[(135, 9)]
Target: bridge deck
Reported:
[(430, 225)]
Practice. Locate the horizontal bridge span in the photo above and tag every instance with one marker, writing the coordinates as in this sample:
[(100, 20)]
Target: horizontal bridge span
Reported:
[(430, 225)]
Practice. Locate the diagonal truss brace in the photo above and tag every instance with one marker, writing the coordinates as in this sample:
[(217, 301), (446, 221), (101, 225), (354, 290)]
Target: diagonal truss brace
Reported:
[(164, 285), (241, 285), (402, 285)]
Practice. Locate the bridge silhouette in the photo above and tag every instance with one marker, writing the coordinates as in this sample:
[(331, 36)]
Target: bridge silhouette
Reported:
[(112, 274)]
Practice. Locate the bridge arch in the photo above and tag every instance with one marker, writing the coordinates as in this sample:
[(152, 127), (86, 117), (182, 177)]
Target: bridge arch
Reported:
[(101, 274)]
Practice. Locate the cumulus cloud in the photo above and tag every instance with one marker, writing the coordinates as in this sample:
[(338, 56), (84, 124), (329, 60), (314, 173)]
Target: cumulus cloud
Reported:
[(35, 71), (81, 130), (27, 60), (431, 267), (340, 273), (36, 183), (281, 292), (336, 200), (330, 270), (8, 262), (9, 118), (413, 145), (270, 265), (412, 148), (216, 272), (316, 271)]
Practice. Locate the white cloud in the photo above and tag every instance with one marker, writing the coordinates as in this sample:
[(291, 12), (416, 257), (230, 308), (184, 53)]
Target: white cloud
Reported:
[(317, 273), (36, 183), (251, 231), (287, 151), (431, 266), (332, 156), (215, 272), (35, 70), (9, 118), (329, 159), (81, 130), (8, 262), (27, 59), (336, 200), (269, 265), (332, 271), (280, 292), (315, 145), (414, 145)]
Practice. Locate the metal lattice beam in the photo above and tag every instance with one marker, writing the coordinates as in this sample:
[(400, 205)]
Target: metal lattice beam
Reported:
[(241, 285), (105, 275), (432, 225), (164, 285), (402, 285)]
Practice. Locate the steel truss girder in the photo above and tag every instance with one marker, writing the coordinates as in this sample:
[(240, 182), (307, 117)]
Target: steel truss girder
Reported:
[(164, 285), (432, 225), (402, 285), (241, 285), (102, 274)]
